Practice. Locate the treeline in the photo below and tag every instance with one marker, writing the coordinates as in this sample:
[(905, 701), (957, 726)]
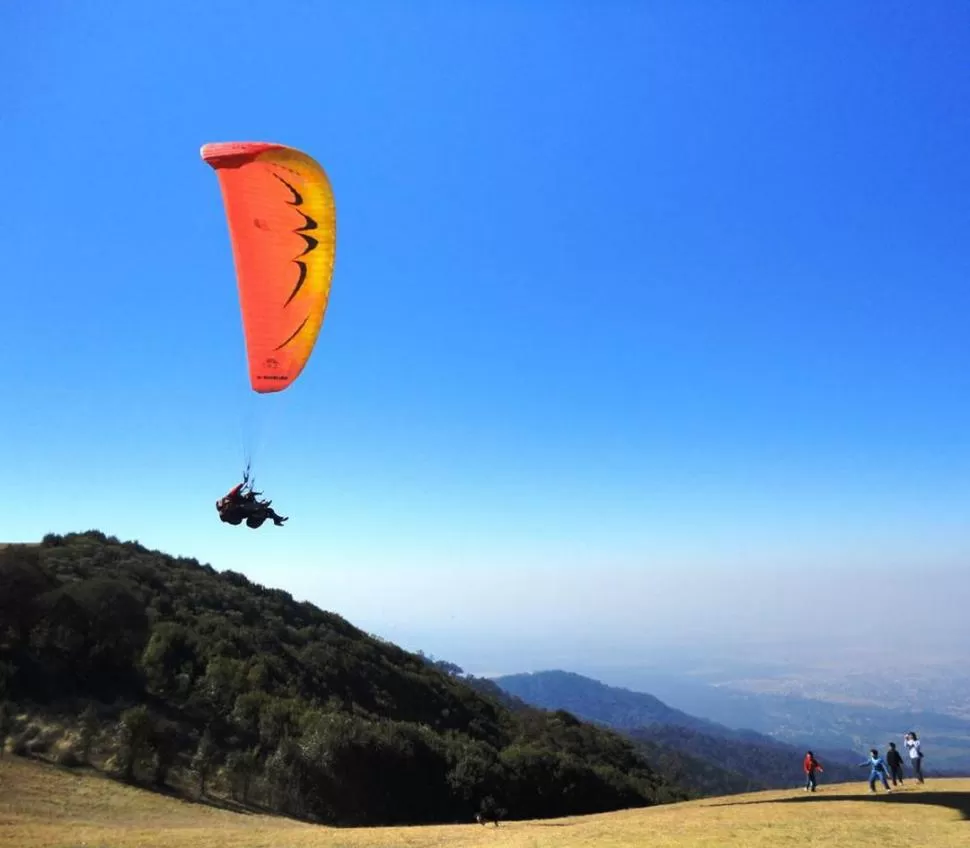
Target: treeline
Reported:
[(163, 671)]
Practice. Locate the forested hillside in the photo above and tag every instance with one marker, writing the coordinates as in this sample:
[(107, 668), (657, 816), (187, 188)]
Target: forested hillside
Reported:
[(161, 670)]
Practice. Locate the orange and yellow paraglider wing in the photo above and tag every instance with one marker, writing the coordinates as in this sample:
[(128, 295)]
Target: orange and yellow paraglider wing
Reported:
[(282, 224)]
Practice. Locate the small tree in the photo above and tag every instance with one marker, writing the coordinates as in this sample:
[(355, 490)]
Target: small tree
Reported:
[(204, 759), (7, 673), (242, 767), (134, 739), (6, 725), (165, 743), (87, 730)]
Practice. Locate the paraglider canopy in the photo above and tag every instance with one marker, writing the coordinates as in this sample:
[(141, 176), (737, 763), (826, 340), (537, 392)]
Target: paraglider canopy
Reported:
[(282, 225)]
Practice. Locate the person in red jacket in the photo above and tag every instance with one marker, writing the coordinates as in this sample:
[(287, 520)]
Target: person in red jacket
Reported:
[(236, 498), (811, 765)]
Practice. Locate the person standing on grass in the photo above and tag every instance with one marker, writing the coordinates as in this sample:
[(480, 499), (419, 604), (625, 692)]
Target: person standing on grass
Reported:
[(895, 762), (811, 765), (915, 755)]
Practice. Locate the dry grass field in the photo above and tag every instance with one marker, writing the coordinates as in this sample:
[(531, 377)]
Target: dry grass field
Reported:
[(43, 806)]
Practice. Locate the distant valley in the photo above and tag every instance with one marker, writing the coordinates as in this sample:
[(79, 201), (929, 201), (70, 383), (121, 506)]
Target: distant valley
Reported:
[(844, 730)]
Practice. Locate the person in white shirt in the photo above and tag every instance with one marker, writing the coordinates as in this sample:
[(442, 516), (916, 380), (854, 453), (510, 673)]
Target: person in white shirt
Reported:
[(915, 755)]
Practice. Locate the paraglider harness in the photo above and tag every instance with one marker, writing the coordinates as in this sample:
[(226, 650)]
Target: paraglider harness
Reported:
[(243, 504)]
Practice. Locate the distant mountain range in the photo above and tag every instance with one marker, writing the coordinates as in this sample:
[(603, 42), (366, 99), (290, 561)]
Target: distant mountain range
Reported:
[(814, 722), (610, 705), (744, 759)]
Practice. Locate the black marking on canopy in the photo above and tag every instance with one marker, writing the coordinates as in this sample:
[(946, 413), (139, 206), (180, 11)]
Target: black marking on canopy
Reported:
[(297, 197), (311, 242), (299, 282), (294, 334), (310, 223)]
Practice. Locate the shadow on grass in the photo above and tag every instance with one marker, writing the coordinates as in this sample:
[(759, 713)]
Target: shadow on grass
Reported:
[(182, 794), (179, 793), (958, 801)]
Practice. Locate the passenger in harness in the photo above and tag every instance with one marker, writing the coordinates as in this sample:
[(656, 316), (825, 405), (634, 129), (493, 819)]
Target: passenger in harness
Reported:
[(241, 503)]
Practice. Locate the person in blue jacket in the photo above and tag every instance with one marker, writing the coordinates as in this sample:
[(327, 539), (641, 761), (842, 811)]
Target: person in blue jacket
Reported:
[(878, 770)]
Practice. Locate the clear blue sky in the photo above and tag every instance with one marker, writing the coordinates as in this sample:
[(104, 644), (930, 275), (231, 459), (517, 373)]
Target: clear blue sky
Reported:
[(660, 288)]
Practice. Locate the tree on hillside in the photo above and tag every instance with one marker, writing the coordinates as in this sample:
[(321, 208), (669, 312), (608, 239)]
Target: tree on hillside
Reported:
[(134, 736), (442, 665), (170, 660), (87, 731), (241, 767), (204, 760), (24, 580), (164, 744), (6, 725)]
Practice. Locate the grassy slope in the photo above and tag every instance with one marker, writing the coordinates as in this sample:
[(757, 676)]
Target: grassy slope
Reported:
[(43, 806)]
